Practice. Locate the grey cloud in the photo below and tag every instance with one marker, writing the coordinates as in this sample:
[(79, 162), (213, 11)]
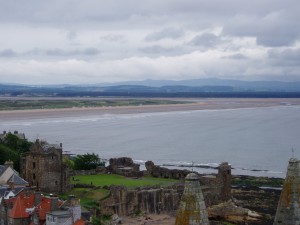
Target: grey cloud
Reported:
[(206, 40), (159, 50), (273, 29), (7, 53), (287, 57), (237, 56), (71, 35), (171, 33), (57, 52), (60, 52), (113, 38), (171, 25)]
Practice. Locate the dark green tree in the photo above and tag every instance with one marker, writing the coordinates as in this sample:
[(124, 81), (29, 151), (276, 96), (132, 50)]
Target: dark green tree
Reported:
[(11, 148), (87, 162)]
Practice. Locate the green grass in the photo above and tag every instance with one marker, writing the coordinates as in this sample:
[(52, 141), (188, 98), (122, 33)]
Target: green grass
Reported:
[(88, 197), (112, 179), (16, 104)]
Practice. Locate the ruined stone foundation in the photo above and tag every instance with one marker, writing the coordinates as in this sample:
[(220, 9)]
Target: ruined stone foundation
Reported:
[(288, 211), (192, 210)]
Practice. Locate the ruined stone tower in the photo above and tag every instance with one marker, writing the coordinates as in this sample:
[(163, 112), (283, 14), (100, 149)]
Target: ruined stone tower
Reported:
[(288, 211), (43, 167), (192, 210)]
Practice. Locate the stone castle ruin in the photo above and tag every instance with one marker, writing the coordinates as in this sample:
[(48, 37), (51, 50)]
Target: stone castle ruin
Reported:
[(216, 188), (123, 201), (43, 168)]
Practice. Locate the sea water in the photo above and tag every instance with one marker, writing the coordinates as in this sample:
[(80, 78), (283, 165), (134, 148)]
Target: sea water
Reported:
[(255, 141)]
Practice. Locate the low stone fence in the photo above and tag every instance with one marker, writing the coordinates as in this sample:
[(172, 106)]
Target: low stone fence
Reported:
[(99, 170)]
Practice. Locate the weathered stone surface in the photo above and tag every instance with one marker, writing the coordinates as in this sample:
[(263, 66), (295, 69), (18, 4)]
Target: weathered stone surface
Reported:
[(129, 202), (162, 172), (124, 166), (43, 167), (288, 210), (192, 209), (216, 189)]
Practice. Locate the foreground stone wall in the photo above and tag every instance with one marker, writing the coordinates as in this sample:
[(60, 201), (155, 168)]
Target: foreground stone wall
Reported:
[(152, 200), (99, 170), (215, 188)]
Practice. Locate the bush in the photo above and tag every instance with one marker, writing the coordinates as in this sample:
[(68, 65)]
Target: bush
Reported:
[(87, 162)]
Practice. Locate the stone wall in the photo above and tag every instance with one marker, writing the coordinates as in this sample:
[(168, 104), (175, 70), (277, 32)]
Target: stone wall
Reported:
[(152, 200), (43, 167), (124, 166), (215, 188), (99, 170)]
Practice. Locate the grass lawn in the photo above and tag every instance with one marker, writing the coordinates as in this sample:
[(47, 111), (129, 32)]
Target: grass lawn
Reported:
[(113, 179), (88, 197)]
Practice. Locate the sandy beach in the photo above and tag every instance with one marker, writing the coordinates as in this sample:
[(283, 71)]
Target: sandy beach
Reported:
[(195, 104)]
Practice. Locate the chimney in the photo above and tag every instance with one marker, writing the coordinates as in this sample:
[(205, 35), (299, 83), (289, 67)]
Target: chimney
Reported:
[(15, 132), (9, 163), (54, 203), (11, 185), (37, 197), (60, 145), (4, 132)]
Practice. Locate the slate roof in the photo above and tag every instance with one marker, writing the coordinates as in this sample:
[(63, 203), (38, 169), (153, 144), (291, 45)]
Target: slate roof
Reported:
[(2, 169), (48, 147), (15, 177), (18, 180), (4, 191)]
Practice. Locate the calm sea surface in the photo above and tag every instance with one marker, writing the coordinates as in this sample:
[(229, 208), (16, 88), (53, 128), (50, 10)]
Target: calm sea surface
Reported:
[(255, 141)]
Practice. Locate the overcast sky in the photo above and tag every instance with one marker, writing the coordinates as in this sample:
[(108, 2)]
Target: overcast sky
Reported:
[(95, 41)]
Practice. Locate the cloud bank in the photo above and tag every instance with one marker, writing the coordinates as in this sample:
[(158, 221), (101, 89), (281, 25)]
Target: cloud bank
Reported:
[(81, 42)]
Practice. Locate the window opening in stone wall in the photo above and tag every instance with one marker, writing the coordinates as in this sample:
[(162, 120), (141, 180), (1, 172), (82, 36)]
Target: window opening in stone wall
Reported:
[(33, 176), (33, 165)]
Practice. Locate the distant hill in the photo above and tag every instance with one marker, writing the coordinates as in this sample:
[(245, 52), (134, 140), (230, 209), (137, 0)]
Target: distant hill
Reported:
[(211, 87), (236, 84)]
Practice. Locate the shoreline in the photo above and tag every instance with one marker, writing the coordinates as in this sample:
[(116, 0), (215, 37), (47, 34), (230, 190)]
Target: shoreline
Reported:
[(196, 104)]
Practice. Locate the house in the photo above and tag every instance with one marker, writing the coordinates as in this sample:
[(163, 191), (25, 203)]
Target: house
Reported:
[(43, 168), (16, 133), (10, 177), (33, 208)]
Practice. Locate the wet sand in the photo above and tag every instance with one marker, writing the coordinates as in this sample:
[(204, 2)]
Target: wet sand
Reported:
[(194, 104)]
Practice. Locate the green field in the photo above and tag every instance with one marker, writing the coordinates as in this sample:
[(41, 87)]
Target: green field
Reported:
[(89, 197), (17, 104), (112, 179)]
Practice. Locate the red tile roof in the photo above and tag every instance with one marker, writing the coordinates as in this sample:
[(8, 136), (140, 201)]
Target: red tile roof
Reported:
[(18, 210), (79, 222), (22, 202)]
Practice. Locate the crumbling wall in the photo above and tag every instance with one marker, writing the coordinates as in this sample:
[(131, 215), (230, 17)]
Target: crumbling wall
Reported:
[(123, 201), (43, 168), (124, 166), (216, 188)]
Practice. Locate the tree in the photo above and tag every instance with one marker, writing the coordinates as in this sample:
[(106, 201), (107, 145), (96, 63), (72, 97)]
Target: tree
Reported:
[(11, 148), (87, 162)]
